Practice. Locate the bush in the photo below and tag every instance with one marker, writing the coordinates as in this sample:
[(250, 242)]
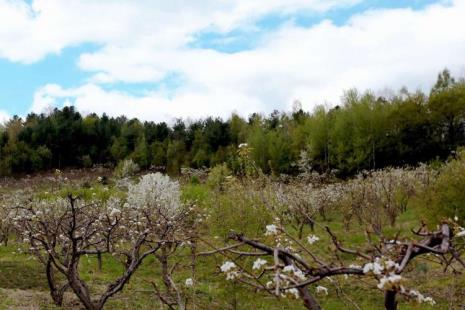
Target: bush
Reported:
[(218, 177), (86, 161), (126, 168), (445, 196)]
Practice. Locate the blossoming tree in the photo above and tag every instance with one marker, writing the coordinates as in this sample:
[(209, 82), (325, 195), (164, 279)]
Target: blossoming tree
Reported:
[(285, 267), (62, 231)]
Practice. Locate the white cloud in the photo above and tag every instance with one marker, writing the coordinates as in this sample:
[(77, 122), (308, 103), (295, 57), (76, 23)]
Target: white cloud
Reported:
[(144, 41), (48, 26), (4, 117), (154, 106)]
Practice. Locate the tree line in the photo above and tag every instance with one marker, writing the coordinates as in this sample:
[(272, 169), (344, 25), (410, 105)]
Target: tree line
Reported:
[(365, 132)]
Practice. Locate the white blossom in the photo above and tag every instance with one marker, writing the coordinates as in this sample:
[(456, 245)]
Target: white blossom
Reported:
[(189, 282), (421, 298), (229, 268), (293, 292), (322, 289), (259, 263), (271, 230), (158, 192), (389, 282), (461, 233), (312, 239), (391, 264), (374, 267)]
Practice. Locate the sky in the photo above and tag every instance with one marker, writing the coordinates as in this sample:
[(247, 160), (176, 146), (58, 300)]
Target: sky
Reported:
[(159, 60)]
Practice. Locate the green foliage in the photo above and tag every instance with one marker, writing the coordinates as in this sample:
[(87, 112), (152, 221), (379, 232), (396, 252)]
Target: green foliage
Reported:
[(86, 161), (126, 168), (445, 196), (218, 177), (365, 132)]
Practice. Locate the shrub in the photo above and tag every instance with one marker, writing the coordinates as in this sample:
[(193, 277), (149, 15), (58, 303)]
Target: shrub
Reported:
[(126, 168), (445, 196), (218, 177)]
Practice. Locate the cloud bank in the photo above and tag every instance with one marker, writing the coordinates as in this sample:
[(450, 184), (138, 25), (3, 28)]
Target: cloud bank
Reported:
[(151, 41)]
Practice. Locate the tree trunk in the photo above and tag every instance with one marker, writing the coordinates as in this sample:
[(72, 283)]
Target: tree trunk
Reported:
[(99, 259), (56, 293), (79, 287), (390, 302)]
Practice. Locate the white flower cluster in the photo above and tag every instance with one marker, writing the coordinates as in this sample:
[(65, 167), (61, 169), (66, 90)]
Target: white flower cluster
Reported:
[(259, 263), (374, 267), (291, 293), (420, 298), (189, 282), (295, 272), (390, 282), (271, 230), (230, 269)]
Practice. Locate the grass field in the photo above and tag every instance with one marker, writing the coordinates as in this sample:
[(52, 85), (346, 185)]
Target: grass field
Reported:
[(23, 284)]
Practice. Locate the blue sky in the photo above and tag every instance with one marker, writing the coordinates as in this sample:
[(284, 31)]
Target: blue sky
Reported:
[(161, 61)]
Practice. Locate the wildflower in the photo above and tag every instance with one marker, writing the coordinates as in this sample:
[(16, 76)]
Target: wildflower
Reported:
[(189, 282)]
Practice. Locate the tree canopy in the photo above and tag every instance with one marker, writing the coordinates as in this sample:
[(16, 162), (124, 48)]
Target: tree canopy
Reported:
[(365, 132)]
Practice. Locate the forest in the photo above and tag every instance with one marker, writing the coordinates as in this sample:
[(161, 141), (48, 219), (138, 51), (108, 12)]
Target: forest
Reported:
[(365, 132)]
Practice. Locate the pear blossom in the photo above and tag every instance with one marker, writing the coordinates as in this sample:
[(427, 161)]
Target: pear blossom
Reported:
[(312, 239), (421, 298), (322, 289), (289, 268), (391, 264), (259, 263), (293, 292), (374, 267), (389, 282), (271, 230), (229, 268)]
